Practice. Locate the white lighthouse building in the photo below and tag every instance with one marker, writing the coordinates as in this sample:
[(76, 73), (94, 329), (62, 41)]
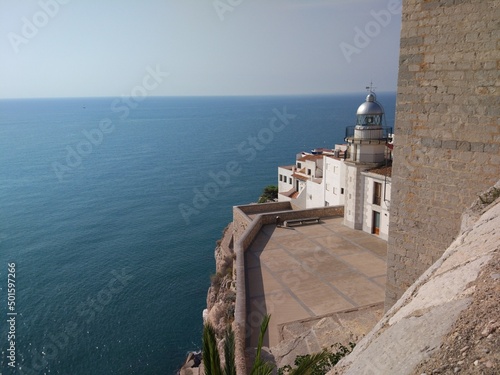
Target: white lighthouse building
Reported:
[(356, 174)]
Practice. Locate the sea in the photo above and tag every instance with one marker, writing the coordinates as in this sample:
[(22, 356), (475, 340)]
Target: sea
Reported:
[(110, 209)]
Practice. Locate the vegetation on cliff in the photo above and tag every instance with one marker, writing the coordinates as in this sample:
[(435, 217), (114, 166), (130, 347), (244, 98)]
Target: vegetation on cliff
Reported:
[(212, 363), (326, 362), (270, 194)]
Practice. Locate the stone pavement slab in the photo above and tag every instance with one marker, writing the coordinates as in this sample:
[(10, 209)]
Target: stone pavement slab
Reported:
[(310, 271)]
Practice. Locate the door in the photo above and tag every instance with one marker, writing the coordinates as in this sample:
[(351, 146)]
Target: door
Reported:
[(376, 223)]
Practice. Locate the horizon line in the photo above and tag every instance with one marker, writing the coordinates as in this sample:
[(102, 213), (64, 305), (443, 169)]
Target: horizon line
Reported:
[(200, 96)]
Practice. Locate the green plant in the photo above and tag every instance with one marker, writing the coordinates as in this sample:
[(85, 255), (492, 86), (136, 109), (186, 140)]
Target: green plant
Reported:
[(270, 193), (318, 364), (259, 366), (211, 358)]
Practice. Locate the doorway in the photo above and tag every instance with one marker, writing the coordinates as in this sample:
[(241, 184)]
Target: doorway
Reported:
[(376, 223)]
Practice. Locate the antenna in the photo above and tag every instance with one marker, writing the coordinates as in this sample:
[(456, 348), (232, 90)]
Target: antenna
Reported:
[(370, 88)]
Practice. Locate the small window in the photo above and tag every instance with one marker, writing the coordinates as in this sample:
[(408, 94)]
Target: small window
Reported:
[(308, 172), (281, 178), (377, 193), (299, 165), (342, 191), (290, 180)]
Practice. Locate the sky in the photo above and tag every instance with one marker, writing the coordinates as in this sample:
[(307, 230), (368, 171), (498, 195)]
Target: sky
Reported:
[(97, 48)]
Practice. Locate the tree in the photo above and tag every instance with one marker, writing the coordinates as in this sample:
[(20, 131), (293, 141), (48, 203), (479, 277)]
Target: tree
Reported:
[(270, 193)]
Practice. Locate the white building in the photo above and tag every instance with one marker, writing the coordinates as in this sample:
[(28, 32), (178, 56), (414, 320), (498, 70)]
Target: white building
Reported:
[(356, 174)]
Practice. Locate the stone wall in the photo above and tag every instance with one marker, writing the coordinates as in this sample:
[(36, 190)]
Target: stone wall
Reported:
[(447, 134)]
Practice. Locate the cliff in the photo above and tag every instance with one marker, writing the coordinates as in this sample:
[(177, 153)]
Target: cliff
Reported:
[(448, 321)]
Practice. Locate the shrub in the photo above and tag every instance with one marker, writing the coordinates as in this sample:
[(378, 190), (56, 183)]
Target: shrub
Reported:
[(270, 193)]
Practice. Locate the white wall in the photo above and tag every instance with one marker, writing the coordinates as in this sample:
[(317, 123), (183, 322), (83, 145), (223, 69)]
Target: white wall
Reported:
[(284, 186), (334, 181), (369, 207)]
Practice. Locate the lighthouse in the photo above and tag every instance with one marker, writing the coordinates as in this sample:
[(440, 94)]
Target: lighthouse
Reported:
[(368, 138), (366, 142)]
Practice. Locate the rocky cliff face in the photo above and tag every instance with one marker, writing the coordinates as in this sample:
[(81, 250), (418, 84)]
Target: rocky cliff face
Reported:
[(221, 299), (448, 321), (221, 296)]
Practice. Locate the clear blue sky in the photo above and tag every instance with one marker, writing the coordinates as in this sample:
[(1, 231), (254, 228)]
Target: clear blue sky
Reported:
[(78, 48)]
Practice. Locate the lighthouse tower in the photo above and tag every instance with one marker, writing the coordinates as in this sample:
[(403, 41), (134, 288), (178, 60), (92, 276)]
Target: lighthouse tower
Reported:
[(366, 149)]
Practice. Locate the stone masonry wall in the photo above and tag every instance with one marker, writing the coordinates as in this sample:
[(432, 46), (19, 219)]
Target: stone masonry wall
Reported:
[(447, 135)]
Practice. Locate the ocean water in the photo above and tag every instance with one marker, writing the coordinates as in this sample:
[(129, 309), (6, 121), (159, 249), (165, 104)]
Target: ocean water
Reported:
[(111, 212)]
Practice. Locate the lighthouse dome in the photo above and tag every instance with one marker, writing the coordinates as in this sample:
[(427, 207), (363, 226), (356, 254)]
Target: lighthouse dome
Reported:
[(370, 107)]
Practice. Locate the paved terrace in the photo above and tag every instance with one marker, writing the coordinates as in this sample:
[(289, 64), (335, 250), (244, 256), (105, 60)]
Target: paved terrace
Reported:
[(310, 271)]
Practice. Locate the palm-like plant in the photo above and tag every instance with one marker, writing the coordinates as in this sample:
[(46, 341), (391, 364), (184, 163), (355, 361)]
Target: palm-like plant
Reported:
[(259, 366), (211, 358)]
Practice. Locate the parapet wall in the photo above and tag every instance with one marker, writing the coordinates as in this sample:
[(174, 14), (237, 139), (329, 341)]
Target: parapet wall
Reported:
[(447, 135)]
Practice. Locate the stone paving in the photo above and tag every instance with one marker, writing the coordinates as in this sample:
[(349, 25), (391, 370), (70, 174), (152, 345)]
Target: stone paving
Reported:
[(311, 271)]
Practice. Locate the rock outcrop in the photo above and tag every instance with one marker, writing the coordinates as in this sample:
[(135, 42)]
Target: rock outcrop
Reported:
[(448, 321), (221, 296)]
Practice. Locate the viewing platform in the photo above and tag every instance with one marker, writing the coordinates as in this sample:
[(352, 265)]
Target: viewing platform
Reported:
[(309, 272), (320, 273)]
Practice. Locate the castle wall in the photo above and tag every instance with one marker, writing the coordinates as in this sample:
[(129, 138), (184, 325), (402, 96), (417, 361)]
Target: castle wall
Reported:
[(447, 131)]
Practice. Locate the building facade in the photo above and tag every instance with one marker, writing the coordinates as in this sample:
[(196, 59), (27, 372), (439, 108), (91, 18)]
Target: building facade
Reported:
[(356, 175)]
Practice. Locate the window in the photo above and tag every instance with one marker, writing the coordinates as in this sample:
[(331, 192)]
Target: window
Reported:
[(290, 180), (281, 177), (377, 193), (342, 191), (308, 172), (299, 165)]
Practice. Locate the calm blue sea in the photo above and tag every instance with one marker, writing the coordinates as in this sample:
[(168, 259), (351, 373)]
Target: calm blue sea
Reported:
[(100, 211)]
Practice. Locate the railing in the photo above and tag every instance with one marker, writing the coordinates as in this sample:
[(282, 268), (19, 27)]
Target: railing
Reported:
[(373, 132)]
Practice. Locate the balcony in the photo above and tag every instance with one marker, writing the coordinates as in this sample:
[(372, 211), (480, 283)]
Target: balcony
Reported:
[(367, 134)]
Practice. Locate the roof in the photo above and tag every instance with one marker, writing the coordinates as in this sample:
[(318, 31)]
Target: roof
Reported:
[(370, 106), (384, 171), (310, 157), (300, 177)]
